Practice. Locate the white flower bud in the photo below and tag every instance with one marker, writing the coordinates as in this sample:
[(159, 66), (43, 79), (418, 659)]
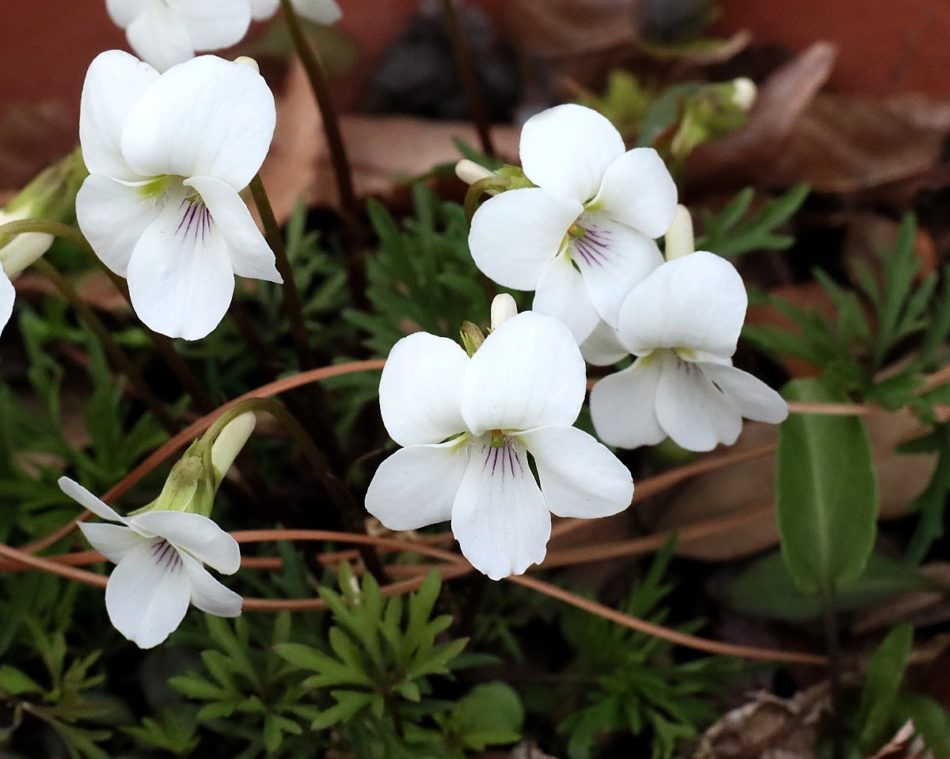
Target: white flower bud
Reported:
[(471, 172), (246, 60), (679, 237), (23, 249), (744, 92), (503, 307), (230, 442)]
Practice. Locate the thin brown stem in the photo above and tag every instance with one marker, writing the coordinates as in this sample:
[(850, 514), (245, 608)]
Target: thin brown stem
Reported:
[(293, 306), (463, 59), (339, 160)]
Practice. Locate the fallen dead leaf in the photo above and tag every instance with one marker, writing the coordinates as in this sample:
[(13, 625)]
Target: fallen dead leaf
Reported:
[(746, 487), (565, 28), (386, 151), (782, 99), (846, 143), (769, 727), (291, 166)]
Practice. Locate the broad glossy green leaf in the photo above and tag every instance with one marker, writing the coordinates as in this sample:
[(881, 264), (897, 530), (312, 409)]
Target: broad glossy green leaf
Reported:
[(826, 493)]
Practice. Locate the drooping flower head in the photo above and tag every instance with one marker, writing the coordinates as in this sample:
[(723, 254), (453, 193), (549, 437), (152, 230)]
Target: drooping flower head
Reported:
[(159, 550), (51, 196), (468, 425), (168, 155), (325, 12), (167, 32), (582, 237), (682, 323)]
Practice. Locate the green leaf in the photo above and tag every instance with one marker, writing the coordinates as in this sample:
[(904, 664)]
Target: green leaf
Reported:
[(879, 697), (491, 714), (766, 589), (16, 683), (348, 704), (826, 494)]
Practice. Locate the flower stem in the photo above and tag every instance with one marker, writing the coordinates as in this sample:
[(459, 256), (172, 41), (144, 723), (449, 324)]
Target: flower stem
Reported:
[(833, 651), (112, 349), (293, 307), (162, 344), (463, 60), (342, 170), (348, 510)]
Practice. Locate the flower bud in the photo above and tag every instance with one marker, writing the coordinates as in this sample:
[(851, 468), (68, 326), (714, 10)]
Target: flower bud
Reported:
[(472, 337), (245, 60), (503, 307), (744, 93), (679, 237), (192, 483), (51, 195), (471, 172)]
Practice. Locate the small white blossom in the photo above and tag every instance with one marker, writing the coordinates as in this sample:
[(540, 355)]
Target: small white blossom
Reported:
[(168, 156), (467, 426), (167, 32), (324, 12), (582, 238), (159, 557), (682, 323)]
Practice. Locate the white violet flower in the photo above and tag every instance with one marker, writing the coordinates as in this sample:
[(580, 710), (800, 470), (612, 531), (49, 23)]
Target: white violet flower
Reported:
[(682, 323), (167, 32), (582, 238), (168, 156), (159, 556), (467, 426), (324, 12)]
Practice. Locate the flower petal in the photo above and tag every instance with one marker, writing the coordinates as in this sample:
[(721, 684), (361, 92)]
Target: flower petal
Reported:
[(112, 216), (697, 302), (88, 501), (693, 411), (416, 486), (208, 594), (567, 149), (579, 476), (111, 540), (561, 293), (516, 234), (123, 12), (7, 297), (612, 259), (623, 405), (603, 347), (753, 398), (115, 81), (195, 534), (148, 593), (205, 118), (528, 373), (420, 390), (180, 275), (159, 36), (213, 24), (639, 192), (324, 12), (251, 256), (499, 518)]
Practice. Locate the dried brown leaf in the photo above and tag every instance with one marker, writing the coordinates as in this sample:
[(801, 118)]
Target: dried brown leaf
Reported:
[(747, 487), (564, 28), (783, 98)]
